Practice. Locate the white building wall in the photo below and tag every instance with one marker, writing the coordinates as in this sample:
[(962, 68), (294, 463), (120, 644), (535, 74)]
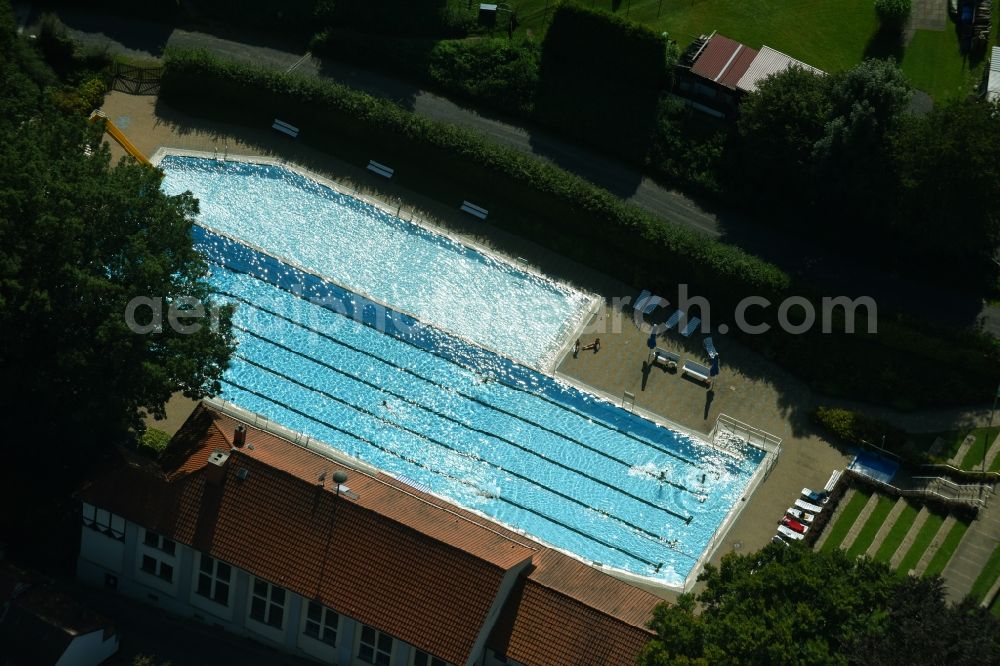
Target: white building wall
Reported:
[(89, 650)]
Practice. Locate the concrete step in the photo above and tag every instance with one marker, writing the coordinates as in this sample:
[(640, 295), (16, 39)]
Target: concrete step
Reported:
[(910, 537), (860, 522), (972, 554), (959, 456), (890, 520), (833, 519), (942, 532)]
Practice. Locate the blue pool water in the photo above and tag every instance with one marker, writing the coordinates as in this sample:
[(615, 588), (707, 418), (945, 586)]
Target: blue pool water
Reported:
[(410, 269), (487, 433)]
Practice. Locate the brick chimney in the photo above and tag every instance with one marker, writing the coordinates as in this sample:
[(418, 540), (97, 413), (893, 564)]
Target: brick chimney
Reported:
[(240, 436)]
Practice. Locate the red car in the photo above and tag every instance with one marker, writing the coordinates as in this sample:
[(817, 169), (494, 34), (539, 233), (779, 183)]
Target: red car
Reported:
[(794, 524)]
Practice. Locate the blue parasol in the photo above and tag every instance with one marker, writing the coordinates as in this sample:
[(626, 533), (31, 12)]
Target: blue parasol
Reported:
[(651, 343), (715, 366)]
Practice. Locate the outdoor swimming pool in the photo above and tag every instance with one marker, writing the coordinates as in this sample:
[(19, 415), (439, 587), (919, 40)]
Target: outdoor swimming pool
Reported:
[(492, 435), (410, 269)]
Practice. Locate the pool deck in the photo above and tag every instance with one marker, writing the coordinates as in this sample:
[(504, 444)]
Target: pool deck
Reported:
[(750, 388)]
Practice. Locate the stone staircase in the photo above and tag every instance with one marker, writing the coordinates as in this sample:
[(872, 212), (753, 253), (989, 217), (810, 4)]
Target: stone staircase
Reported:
[(973, 552)]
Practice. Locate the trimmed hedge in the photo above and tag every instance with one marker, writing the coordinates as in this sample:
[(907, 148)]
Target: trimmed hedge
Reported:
[(859, 430), (905, 365), (493, 71), (601, 78)]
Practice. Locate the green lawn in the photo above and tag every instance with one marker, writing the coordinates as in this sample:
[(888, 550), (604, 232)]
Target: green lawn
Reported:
[(988, 576), (974, 458), (953, 440), (871, 526), (995, 607), (896, 535), (829, 34), (842, 526), (921, 541), (933, 64), (947, 549)]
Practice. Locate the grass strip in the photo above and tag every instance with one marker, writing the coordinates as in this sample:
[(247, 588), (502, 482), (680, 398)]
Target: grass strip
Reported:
[(842, 525)]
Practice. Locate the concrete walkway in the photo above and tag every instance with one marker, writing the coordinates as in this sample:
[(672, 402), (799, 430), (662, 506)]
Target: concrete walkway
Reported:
[(844, 501), (911, 536), (979, 542), (934, 545), (887, 525), (860, 521)]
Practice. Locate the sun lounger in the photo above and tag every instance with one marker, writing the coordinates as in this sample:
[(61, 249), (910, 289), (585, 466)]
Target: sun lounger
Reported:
[(641, 299), (800, 515), (814, 496), (691, 325), (696, 370), (777, 539), (667, 359), (710, 347), (790, 534), (834, 478), (794, 525), (806, 506), (672, 321)]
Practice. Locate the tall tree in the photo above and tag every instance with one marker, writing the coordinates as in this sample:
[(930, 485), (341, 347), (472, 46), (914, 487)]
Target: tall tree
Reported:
[(949, 168), (791, 605), (79, 239)]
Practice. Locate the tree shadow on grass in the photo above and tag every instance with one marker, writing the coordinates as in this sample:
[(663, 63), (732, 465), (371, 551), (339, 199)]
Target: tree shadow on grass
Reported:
[(887, 42)]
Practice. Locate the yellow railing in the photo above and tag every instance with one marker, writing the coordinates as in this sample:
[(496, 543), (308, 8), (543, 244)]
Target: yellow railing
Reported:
[(122, 140)]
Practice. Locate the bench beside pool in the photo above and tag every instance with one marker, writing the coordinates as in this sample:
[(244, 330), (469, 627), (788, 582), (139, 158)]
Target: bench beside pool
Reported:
[(286, 128), (380, 169), (696, 370), (667, 359), (473, 209)]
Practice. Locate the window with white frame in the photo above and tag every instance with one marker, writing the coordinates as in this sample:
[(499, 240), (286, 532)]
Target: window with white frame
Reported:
[(267, 604), (214, 578), (157, 558), (159, 542), (421, 658), (158, 568), (374, 647), (321, 623), (104, 521)]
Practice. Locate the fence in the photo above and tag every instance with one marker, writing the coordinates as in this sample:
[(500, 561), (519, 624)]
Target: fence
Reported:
[(136, 80), (975, 496)]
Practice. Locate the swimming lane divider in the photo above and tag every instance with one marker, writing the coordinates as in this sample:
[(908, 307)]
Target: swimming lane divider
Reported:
[(442, 415), (444, 357), (399, 426)]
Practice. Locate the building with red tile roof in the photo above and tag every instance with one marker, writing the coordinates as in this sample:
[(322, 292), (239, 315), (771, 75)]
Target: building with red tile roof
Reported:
[(719, 70), (247, 530)]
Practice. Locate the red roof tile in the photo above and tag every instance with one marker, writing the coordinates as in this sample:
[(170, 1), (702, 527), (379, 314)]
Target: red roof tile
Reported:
[(545, 628), (429, 580), (414, 566), (724, 61)]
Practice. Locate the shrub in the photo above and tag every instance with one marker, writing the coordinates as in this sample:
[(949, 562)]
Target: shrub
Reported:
[(857, 429), (893, 13), (493, 71), (154, 441)]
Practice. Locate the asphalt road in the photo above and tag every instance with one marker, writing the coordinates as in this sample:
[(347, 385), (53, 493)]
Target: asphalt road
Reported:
[(804, 259)]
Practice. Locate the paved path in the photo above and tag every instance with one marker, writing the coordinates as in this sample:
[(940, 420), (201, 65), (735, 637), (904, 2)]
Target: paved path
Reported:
[(145, 39), (860, 521), (935, 544), (886, 527), (911, 536), (972, 553)]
